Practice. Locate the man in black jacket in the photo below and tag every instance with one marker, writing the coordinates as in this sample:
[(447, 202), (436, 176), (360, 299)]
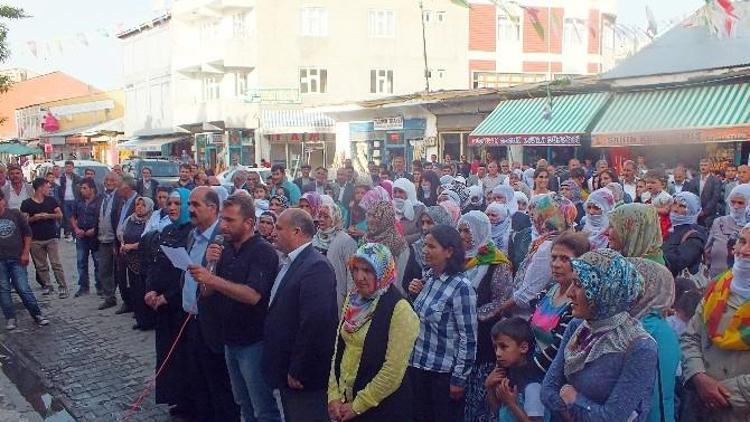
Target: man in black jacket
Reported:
[(709, 188), (146, 185), (123, 207), (300, 327), (68, 194)]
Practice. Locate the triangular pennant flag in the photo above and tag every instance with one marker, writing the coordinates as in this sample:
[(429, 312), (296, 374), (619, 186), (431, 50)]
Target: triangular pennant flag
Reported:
[(652, 26), (463, 3), (535, 21)]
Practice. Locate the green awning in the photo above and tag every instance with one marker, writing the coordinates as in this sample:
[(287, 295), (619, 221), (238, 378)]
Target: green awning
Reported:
[(702, 114), (526, 122), (18, 149)]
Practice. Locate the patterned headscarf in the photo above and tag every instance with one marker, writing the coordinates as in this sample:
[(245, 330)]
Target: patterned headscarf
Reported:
[(508, 195), (500, 231), (184, 196), (596, 225), (453, 209), (693, 205), (283, 200), (575, 191), (387, 185), (384, 228), (637, 227), (740, 216), (438, 215), (618, 192), (658, 288), (611, 283), (552, 213), (322, 239), (476, 195), (373, 196), (314, 201), (359, 309)]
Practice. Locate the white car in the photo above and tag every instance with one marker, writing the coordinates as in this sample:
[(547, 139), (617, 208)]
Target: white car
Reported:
[(225, 177)]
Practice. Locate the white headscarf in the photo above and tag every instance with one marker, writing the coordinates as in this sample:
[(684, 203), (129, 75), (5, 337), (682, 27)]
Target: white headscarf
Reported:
[(521, 197), (740, 216), (405, 207), (480, 227), (596, 225), (501, 230), (476, 195), (509, 194), (741, 275)]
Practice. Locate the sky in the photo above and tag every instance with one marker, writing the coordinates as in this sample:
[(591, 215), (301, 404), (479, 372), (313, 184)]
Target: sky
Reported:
[(77, 36)]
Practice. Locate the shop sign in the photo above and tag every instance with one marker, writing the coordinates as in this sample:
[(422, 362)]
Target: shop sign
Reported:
[(216, 138), (672, 137), (394, 138), (388, 123), (71, 109), (537, 140)]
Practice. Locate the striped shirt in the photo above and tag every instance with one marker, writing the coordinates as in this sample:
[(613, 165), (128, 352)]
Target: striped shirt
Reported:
[(447, 341)]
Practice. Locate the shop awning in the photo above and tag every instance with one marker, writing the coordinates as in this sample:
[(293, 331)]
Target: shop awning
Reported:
[(296, 121), (705, 114), (527, 121), (148, 144), (110, 127), (18, 149)]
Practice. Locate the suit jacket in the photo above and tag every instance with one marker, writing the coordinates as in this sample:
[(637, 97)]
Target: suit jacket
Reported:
[(63, 185), (210, 309), (117, 204), (711, 199), (687, 186), (151, 191), (348, 193), (312, 187), (300, 327)]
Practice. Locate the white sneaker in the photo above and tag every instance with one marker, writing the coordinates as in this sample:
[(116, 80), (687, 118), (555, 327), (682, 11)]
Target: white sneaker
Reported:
[(11, 324), (41, 320)]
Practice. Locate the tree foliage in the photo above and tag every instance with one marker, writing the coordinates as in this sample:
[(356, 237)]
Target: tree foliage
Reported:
[(7, 12)]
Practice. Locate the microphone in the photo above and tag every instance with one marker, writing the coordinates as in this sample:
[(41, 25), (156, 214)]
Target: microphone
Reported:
[(211, 264)]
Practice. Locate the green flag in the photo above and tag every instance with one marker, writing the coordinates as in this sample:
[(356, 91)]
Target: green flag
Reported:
[(464, 3)]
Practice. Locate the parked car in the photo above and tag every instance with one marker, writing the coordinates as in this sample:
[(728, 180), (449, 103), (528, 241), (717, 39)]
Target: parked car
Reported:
[(163, 170), (100, 169), (225, 177)]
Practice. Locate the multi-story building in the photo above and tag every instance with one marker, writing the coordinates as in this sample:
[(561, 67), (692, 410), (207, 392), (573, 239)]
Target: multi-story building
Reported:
[(246, 73), (17, 74), (521, 41)]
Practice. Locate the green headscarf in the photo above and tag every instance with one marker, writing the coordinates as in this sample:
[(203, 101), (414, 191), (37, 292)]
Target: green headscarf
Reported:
[(639, 231)]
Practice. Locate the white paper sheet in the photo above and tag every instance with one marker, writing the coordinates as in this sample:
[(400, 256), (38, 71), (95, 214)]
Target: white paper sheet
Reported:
[(178, 257)]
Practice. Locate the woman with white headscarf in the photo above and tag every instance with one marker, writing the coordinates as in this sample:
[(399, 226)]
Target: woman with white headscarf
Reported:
[(596, 223), (332, 241), (476, 199), (407, 207), (683, 249), (488, 270), (500, 221), (725, 229)]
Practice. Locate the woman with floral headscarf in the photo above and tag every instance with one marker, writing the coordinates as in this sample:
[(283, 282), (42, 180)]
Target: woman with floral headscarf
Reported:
[(381, 228), (164, 296), (129, 233), (607, 365), (596, 223), (407, 207), (376, 335), (551, 215), (725, 229), (332, 241), (267, 226), (634, 232), (569, 189), (658, 297), (489, 271), (683, 249), (310, 203), (430, 217), (278, 204), (716, 348)]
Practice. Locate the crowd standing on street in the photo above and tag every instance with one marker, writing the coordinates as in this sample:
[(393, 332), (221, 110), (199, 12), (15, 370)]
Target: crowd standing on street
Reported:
[(449, 291)]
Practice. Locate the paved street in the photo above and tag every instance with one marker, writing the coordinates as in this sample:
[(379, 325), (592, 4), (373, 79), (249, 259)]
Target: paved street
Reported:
[(90, 361)]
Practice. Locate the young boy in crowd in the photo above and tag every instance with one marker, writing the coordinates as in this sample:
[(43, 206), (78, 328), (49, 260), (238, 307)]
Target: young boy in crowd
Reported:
[(514, 386), (260, 197), (656, 182), (663, 204)]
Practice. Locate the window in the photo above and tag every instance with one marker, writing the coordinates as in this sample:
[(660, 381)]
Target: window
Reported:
[(240, 84), (441, 16), (574, 33), (381, 81), (209, 30), (211, 87), (608, 38), (427, 16), (441, 73), (240, 25), (501, 80), (313, 80), (382, 23), (313, 22), (508, 28)]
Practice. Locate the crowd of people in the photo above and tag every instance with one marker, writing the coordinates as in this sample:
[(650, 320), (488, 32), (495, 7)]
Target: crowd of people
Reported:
[(462, 291)]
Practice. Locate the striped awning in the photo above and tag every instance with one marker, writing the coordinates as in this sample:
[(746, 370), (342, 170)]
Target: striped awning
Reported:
[(695, 115), (537, 121), (296, 121)]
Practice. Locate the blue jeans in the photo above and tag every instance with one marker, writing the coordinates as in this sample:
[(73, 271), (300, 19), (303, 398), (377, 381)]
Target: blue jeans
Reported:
[(84, 248), (11, 271), (69, 208), (249, 387)]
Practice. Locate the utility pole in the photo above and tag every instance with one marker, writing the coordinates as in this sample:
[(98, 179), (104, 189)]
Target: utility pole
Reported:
[(424, 48)]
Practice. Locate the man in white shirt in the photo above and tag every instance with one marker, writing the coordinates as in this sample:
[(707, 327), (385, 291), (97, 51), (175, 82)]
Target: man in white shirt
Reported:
[(16, 191), (629, 180), (69, 194), (492, 179)]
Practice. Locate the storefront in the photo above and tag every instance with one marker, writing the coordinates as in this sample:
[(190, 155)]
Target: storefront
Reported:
[(215, 150), (384, 138), (528, 129), (296, 136), (710, 121)]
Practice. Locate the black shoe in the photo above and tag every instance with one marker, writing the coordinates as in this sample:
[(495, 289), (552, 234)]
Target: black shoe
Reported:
[(111, 303), (124, 309), (81, 292)]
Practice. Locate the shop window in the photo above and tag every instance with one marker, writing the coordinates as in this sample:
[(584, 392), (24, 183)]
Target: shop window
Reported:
[(314, 22), (312, 80), (381, 23), (381, 81)]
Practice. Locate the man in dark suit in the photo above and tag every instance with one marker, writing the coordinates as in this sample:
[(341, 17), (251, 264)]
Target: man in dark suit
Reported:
[(300, 327), (68, 194), (209, 377), (146, 185), (123, 206), (709, 188), (305, 178), (343, 188)]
